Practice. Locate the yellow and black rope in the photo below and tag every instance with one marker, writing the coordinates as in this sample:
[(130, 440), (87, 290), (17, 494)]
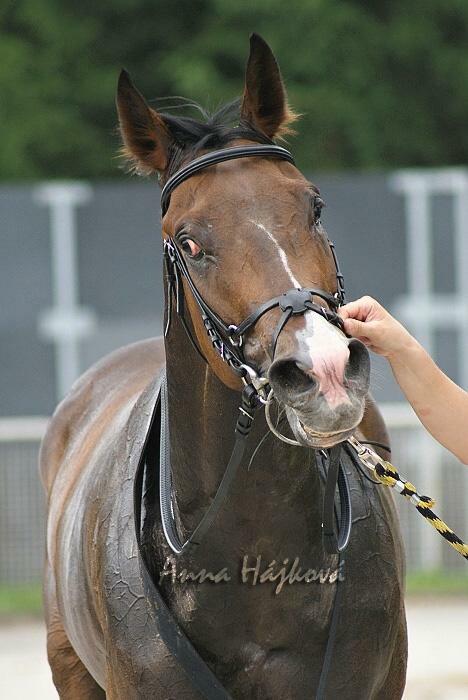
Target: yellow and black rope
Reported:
[(389, 475)]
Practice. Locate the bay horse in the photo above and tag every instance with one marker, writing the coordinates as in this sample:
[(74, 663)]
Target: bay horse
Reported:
[(246, 230)]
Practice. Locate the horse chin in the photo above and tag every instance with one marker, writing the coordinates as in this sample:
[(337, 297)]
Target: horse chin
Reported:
[(308, 436)]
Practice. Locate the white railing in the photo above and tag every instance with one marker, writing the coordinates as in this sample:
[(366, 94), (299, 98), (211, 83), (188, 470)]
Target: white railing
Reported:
[(23, 429), (399, 415), (436, 473), (417, 456), (22, 512)]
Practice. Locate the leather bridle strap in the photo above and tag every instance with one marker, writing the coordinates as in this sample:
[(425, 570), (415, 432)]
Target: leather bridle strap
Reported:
[(295, 301), (219, 156), (298, 300), (227, 339)]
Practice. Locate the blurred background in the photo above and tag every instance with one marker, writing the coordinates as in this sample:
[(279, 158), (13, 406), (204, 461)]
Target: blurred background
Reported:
[(382, 88)]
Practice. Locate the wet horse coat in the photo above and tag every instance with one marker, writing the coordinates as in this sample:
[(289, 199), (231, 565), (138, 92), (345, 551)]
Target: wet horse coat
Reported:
[(99, 607), (103, 629)]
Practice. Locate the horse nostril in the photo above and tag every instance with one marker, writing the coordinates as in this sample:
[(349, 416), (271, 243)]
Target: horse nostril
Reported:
[(358, 367), (288, 379)]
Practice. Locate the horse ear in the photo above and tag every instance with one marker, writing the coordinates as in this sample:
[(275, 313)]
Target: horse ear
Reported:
[(265, 103), (146, 140)]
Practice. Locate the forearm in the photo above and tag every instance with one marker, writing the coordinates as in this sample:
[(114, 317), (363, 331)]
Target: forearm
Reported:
[(439, 403)]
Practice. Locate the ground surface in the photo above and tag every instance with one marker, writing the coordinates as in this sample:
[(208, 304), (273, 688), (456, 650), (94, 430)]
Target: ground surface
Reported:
[(438, 665)]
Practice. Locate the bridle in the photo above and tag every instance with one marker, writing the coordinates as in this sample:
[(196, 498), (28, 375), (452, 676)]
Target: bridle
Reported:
[(228, 339)]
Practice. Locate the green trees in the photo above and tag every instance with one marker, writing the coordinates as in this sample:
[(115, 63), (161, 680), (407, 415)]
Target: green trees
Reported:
[(379, 84)]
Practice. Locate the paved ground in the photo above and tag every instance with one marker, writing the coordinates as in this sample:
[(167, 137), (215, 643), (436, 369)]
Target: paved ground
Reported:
[(438, 664)]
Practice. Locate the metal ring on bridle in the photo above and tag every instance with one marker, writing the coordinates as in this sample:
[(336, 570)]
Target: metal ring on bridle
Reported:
[(279, 435), (238, 342), (259, 383)]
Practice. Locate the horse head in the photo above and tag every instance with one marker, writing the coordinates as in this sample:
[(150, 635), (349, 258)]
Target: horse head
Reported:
[(249, 230)]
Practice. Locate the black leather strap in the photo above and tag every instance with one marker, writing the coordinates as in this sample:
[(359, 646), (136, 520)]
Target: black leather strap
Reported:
[(333, 544), (220, 156), (327, 659), (298, 300), (195, 668), (243, 426)]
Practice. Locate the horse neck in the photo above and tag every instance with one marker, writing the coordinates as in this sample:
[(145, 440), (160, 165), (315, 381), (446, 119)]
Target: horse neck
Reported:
[(281, 486)]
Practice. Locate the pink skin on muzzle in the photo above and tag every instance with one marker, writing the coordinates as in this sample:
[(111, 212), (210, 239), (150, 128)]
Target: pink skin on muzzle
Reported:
[(327, 354)]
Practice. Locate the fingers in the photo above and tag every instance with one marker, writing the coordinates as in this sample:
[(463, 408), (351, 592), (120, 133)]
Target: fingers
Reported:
[(358, 329), (369, 322), (361, 309)]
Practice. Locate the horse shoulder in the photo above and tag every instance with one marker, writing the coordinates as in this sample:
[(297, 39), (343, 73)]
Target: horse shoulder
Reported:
[(81, 460), (108, 386)]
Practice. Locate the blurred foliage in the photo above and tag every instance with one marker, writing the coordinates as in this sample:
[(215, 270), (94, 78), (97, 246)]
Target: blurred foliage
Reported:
[(379, 84)]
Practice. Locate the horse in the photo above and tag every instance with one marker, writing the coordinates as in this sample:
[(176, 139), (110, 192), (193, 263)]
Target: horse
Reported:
[(242, 230)]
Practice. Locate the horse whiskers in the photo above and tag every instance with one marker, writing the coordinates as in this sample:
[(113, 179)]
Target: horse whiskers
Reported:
[(281, 415), (254, 453)]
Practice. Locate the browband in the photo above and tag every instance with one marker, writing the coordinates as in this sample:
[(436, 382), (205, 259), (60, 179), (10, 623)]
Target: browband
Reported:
[(219, 157)]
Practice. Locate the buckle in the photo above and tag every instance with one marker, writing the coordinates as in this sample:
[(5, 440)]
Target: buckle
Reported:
[(260, 384), (169, 249)]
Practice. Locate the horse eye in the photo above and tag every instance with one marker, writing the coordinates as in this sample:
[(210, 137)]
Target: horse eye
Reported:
[(191, 248), (318, 206)]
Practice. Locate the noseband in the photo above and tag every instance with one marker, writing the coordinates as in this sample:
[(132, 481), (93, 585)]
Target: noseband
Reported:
[(228, 339)]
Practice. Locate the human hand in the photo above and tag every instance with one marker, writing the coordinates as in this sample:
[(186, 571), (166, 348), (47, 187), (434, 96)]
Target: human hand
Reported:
[(368, 321)]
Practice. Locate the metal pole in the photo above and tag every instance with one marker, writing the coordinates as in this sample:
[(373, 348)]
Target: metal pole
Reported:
[(65, 323), (415, 187)]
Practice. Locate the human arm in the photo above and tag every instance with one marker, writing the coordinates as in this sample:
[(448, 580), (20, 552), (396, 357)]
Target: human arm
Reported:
[(440, 404)]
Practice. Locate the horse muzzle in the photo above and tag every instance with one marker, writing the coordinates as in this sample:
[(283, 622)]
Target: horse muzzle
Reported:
[(324, 396)]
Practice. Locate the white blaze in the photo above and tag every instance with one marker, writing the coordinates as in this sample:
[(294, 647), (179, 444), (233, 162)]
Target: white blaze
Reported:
[(281, 253)]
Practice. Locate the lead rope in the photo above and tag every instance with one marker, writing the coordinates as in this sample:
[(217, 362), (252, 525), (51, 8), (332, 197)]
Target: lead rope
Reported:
[(388, 474)]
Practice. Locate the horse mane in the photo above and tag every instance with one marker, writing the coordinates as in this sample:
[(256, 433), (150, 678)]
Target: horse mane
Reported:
[(213, 129)]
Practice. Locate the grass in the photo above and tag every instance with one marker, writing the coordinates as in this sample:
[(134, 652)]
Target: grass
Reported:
[(26, 600), (20, 600), (437, 583)]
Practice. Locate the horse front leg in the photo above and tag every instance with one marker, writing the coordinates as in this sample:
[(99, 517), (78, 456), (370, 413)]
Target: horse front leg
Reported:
[(71, 678)]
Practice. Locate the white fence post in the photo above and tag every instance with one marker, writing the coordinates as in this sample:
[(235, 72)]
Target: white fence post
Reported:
[(66, 322)]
